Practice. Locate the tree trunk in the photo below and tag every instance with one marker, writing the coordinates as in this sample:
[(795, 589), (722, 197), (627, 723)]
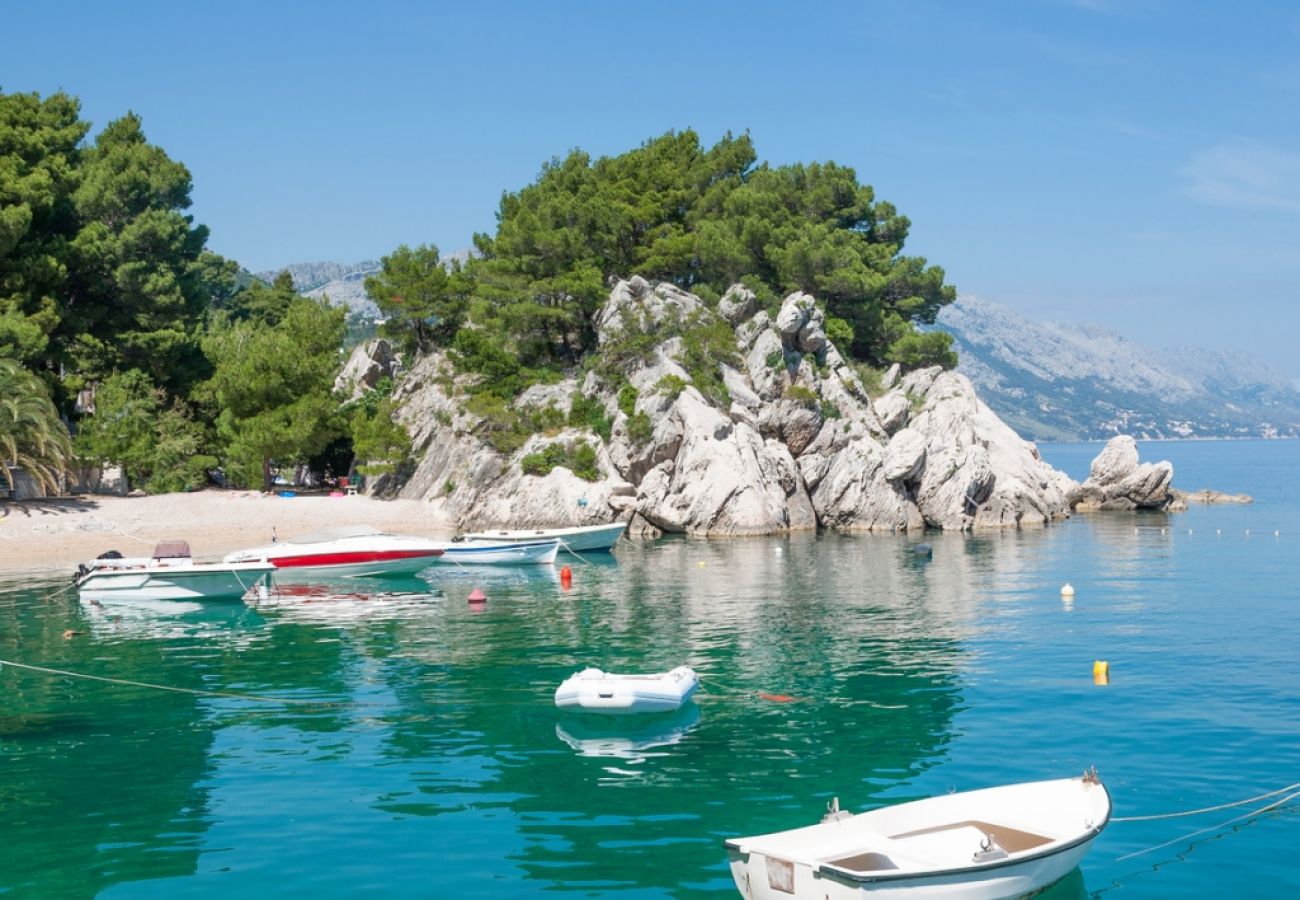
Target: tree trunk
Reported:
[(266, 473)]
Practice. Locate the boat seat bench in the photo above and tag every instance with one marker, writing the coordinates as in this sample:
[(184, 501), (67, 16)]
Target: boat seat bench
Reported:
[(1012, 840), (1009, 839)]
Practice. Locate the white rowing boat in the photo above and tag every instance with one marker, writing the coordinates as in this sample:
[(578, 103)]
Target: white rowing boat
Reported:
[(592, 690), (499, 553), (989, 844), (170, 574), (580, 538)]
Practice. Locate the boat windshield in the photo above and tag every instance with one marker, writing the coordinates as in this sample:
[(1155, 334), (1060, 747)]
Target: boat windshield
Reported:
[(335, 533)]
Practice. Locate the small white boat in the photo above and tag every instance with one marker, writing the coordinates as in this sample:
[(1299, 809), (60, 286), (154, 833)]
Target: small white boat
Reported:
[(989, 844), (346, 552), (592, 690), (500, 553), (169, 574), (580, 538)]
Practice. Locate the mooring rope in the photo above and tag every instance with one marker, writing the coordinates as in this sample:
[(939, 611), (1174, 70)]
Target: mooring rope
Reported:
[(1208, 809), (1213, 828), (45, 670), (572, 552)]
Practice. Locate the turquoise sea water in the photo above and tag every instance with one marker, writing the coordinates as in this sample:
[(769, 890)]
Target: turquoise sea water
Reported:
[(447, 771)]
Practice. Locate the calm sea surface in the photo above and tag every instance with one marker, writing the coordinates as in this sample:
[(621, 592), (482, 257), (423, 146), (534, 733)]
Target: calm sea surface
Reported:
[(446, 770)]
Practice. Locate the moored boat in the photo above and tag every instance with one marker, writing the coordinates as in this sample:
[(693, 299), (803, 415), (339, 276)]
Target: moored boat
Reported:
[(579, 538), (500, 553), (593, 690), (989, 844), (346, 552), (170, 574)]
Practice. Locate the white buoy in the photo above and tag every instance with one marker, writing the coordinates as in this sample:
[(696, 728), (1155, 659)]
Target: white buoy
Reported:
[(1189, 531), (1067, 590), (1163, 530)]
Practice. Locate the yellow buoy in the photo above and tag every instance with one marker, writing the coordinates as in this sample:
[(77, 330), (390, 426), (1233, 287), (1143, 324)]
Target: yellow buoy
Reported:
[(1067, 590), (1101, 672)]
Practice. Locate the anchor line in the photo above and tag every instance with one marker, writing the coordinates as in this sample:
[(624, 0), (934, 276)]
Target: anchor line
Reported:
[(1245, 817), (1208, 809), (257, 698)]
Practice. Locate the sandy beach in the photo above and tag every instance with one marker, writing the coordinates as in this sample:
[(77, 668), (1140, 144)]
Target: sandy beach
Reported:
[(55, 533)]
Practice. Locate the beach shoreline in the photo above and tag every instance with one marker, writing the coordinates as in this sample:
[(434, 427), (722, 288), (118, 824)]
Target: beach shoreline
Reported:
[(45, 534)]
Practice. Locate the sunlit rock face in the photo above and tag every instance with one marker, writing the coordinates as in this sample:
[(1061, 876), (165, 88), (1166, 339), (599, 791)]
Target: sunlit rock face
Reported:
[(782, 437)]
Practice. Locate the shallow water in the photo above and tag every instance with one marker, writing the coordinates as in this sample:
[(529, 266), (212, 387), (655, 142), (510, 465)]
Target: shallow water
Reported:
[(445, 770)]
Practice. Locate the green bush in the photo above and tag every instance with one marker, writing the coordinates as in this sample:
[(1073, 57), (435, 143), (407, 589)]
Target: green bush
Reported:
[(671, 386), (776, 360), (640, 429), (627, 396), (802, 395), (588, 412), (830, 410), (541, 462), (581, 462), (839, 331)]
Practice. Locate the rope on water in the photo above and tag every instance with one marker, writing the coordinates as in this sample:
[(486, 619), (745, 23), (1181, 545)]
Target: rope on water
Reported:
[(1213, 828), (569, 550), (1208, 809), (166, 687)]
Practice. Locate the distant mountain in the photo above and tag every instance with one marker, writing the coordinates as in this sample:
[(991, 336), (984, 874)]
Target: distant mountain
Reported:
[(1057, 381), (343, 284)]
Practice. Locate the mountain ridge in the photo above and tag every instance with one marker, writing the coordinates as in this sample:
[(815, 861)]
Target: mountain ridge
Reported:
[(1083, 381)]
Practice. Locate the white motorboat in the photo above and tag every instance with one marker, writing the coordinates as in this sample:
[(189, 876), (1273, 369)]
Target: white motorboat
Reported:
[(500, 553), (170, 574), (592, 690), (580, 538), (348, 552), (989, 844)]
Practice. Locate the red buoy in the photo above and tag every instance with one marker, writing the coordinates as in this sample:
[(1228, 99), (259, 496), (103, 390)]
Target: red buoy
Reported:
[(566, 576), (477, 596)]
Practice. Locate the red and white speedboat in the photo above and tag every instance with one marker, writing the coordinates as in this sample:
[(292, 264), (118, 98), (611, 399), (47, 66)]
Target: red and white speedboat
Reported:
[(355, 552)]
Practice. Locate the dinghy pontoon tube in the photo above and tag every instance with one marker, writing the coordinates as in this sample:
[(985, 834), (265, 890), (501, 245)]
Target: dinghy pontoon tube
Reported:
[(592, 690)]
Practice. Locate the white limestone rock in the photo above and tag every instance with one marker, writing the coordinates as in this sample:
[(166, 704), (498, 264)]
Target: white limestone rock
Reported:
[(1118, 480)]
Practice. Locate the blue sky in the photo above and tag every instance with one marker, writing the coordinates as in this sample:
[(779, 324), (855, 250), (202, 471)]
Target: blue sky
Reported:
[(1132, 163)]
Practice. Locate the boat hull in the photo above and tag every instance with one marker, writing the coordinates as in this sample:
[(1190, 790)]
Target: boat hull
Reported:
[(171, 584), (989, 844), (1025, 879), (353, 565), (365, 555), (579, 539), (485, 553)]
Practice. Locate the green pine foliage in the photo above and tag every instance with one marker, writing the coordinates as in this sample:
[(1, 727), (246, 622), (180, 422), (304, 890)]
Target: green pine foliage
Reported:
[(156, 442), (580, 460), (273, 386)]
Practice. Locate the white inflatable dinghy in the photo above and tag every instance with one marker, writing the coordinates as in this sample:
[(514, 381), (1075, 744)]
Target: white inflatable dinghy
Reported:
[(592, 690)]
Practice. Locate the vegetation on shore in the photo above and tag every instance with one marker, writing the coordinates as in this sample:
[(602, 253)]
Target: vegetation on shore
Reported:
[(171, 361)]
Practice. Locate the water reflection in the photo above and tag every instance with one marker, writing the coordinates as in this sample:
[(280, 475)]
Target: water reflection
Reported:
[(627, 738), (448, 734)]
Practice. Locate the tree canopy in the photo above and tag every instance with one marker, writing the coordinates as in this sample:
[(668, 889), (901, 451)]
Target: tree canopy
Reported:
[(704, 218), (273, 386)]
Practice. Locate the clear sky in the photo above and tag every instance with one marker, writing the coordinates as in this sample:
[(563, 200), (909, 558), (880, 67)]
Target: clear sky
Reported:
[(1132, 163)]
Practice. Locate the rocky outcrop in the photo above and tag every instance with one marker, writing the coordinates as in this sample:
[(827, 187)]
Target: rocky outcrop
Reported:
[(782, 436), (1117, 480), (1208, 497), (370, 361)]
